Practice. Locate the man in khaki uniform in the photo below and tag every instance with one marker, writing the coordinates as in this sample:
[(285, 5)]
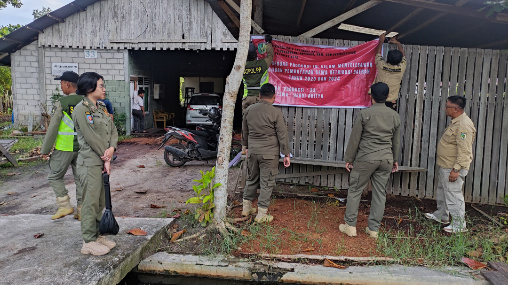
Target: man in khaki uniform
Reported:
[(454, 156), (391, 70), (61, 130), (265, 134), (373, 150), (256, 72)]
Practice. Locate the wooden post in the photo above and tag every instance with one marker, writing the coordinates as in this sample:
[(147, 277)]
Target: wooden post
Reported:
[(258, 12), (232, 84)]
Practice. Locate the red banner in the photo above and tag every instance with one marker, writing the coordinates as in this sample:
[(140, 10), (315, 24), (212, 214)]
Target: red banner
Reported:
[(321, 76)]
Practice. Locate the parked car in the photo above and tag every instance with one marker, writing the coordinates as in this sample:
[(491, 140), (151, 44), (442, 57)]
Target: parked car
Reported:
[(201, 101)]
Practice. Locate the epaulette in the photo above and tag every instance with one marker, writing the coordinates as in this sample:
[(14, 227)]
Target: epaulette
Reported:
[(85, 103), (101, 103)]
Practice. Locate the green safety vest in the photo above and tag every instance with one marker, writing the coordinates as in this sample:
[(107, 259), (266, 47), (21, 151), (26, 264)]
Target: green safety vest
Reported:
[(66, 133), (67, 139), (254, 76)]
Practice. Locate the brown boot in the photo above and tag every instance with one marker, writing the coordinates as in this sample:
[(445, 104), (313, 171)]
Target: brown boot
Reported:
[(348, 230), (94, 248), (64, 207), (77, 215), (262, 216), (247, 208), (104, 241)]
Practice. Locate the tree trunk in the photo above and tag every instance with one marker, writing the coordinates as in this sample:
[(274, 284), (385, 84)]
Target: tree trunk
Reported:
[(228, 108)]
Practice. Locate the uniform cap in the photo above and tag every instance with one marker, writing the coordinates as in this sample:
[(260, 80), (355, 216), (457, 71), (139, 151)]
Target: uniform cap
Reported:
[(69, 76)]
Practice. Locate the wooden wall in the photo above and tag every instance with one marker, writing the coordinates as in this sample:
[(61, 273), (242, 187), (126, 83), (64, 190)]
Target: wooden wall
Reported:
[(145, 24), (433, 73)]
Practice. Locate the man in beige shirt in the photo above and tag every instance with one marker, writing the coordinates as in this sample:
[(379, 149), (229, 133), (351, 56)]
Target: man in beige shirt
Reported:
[(391, 70), (454, 156)]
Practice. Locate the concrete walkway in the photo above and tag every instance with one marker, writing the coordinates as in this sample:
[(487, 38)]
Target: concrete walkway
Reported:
[(55, 258), (220, 267)]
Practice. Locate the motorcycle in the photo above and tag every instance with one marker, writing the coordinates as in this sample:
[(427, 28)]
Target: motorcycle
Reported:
[(199, 144)]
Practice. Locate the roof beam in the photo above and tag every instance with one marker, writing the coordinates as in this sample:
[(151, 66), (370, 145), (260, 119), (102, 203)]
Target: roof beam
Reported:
[(300, 14), (33, 29), (78, 7), (254, 25), (431, 20), (12, 40), (230, 13), (451, 9), (491, 44), (257, 6), (407, 18), (340, 19), (53, 17)]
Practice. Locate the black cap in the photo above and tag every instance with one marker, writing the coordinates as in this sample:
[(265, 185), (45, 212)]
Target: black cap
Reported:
[(267, 88), (70, 76), (141, 91)]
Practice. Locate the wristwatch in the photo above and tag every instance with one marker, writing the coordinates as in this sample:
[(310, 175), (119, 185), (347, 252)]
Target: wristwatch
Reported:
[(455, 170)]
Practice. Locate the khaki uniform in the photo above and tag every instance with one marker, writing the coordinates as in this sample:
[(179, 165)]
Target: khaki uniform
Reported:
[(372, 148), (264, 133), (61, 160), (391, 75), (96, 133), (454, 151), (255, 75)]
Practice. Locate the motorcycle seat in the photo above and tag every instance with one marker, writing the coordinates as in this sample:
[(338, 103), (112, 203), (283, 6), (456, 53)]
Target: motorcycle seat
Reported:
[(199, 133)]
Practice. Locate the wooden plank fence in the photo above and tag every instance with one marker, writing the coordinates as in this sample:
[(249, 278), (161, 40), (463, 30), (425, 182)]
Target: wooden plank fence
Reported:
[(433, 74)]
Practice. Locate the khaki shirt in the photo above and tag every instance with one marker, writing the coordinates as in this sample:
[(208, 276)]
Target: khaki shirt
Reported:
[(391, 75), (96, 132), (455, 149), (375, 135), (264, 130)]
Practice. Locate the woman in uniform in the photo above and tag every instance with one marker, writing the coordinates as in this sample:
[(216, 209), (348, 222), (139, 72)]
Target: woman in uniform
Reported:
[(97, 137)]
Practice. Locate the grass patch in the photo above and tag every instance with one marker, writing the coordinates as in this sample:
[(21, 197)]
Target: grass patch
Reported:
[(26, 144), (423, 242), (124, 137)]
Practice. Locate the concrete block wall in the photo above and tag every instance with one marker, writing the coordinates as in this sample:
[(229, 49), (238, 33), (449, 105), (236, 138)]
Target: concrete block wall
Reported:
[(25, 83), (32, 88)]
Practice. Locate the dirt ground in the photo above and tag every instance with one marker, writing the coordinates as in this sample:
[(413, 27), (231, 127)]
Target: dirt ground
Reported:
[(139, 178), (305, 221)]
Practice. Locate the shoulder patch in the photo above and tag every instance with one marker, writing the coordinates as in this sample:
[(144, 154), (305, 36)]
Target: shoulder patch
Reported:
[(87, 113), (89, 118), (53, 110), (463, 136)]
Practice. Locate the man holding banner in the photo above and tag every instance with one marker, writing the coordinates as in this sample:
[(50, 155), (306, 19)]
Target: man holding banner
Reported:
[(256, 72), (373, 149), (391, 70)]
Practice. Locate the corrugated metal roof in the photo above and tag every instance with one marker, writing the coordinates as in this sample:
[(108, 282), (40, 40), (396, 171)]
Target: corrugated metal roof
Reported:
[(27, 34)]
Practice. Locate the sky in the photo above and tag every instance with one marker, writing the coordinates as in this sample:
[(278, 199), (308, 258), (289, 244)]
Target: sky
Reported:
[(23, 15)]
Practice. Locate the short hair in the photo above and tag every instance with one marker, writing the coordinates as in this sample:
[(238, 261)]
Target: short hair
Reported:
[(252, 54), (267, 91), (458, 100), (379, 92), (394, 57), (141, 91), (73, 84), (87, 82)]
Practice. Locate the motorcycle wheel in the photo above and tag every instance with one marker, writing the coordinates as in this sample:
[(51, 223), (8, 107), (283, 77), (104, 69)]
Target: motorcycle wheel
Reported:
[(171, 160)]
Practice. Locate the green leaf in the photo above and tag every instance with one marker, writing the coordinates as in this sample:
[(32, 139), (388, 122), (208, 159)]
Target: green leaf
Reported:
[(193, 200), (216, 185), (206, 199)]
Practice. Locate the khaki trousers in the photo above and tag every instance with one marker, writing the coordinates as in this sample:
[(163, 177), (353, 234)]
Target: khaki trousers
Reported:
[(93, 200), (58, 164), (378, 172), (450, 199), (261, 173)]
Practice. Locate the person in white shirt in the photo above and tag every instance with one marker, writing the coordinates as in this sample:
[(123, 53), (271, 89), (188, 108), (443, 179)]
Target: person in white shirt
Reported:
[(138, 111)]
